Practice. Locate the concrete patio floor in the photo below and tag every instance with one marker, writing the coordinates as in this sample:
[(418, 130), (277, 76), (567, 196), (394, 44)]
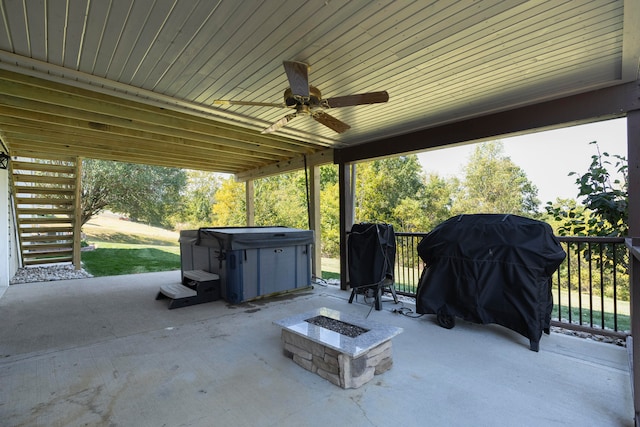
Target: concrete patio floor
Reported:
[(103, 351)]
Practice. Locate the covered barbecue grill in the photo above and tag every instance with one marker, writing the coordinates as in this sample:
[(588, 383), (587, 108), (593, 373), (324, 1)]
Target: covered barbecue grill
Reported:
[(371, 251), (490, 268)]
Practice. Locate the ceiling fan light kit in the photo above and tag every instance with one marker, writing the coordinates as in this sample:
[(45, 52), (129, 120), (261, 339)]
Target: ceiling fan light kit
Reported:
[(307, 100)]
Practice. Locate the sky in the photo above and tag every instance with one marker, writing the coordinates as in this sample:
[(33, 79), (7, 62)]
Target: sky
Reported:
[(546, 157)]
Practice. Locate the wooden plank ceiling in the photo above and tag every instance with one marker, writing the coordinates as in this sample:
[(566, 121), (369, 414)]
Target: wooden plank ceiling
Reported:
[(136, 80)]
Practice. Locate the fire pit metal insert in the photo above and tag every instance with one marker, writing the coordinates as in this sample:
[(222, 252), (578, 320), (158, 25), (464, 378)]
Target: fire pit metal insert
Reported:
[(338, 326)]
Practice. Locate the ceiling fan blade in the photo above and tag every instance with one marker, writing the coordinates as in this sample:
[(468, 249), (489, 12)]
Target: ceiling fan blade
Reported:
[(257, 104), (331, 122), (358, 99), (280, 123), (297, 73)]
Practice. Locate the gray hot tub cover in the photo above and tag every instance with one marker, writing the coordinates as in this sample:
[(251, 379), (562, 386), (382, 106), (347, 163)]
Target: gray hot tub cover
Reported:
[(238, 238)]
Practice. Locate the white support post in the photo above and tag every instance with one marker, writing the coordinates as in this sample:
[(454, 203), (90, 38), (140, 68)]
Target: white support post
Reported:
[(315, 220)]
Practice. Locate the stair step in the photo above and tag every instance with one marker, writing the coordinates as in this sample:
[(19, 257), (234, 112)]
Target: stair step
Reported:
[(177, 291), (200, 275), (51, 260), (45, 220), (58, 180), (48, 230), (43, 167), (44, 211), (38, 253), (63, 201), (33, 248), (39, 189), (46, 238), (44, 191)]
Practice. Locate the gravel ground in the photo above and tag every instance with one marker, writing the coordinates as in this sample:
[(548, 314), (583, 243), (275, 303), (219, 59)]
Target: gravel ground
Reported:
[(48, 273)]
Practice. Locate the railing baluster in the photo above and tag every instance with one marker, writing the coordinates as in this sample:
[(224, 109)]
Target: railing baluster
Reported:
[(559, 302), (590, 285), (601, 286), (615, 287), (579, 283), (570, 313)]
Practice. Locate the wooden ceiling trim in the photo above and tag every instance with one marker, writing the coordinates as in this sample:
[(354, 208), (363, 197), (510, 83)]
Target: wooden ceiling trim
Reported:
[(41, 71), (50, 114), (105, 152), (23, 144), (166, 162), (83, 141), (116, 107)]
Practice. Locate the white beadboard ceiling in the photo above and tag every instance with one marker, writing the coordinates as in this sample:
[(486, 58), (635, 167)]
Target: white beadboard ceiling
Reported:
[(136, 80)]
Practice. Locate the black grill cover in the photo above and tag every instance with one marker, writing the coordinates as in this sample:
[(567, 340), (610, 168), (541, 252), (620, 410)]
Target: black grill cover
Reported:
[(371, 250), (491, 268)]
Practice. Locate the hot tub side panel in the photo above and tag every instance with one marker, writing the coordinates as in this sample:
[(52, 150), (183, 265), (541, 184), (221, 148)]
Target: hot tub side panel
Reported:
[(247, 274)]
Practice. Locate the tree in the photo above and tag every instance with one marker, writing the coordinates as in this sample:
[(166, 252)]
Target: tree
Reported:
[(282, 200), (382, 185), (494, 184), (229, 208), (330, 220), (605, 202), (199, 198), (147, 193), (603, 212)]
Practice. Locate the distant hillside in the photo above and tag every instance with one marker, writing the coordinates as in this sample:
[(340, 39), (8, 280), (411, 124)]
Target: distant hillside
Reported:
[(110, 227)]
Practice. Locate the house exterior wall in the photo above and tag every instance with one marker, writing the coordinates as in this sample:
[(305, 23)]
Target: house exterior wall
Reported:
[(5, 233)]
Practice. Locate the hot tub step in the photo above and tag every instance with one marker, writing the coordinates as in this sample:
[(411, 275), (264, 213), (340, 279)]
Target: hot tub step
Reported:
[(198, 286), (177, 291)]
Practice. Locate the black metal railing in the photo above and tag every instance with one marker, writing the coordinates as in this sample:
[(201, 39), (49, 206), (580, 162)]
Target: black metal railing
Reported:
[(590, 289)]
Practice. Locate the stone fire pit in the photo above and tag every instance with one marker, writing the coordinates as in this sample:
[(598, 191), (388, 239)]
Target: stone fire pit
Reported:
[(344, 350)]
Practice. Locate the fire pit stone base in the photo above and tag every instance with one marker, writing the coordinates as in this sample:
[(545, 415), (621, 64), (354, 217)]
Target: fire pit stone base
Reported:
[(346, 362)]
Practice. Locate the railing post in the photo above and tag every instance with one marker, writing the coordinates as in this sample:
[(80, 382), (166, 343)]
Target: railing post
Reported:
[(633, 158), (345, 181)]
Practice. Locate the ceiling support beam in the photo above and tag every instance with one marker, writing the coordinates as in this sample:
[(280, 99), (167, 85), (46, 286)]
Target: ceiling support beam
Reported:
[(293, 164), (600, 104)]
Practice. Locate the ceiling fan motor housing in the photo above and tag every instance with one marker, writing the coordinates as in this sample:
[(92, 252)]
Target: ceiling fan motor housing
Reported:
[(291, 100)]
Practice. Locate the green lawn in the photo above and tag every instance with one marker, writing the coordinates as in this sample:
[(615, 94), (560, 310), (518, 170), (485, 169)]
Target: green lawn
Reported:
[(111, 259)]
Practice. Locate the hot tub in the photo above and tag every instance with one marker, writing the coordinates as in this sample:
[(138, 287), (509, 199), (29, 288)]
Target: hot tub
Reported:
[(252, 262)]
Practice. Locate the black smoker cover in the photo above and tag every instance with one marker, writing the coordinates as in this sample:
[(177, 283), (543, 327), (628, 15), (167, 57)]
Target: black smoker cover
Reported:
[(491, 268), (371, 252)]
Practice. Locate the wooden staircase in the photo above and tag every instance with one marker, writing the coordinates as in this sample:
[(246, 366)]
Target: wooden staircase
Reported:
[(46, 195)]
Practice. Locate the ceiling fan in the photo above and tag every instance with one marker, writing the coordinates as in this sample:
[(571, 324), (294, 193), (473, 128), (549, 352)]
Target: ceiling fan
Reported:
[(307, 100)]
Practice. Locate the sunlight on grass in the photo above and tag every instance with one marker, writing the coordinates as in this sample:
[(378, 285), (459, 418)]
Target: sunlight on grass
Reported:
[(127, 247), (130, 259)]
